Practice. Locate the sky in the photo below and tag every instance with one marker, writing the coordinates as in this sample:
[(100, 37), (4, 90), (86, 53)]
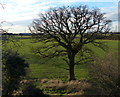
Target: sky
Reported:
[(19, 14)]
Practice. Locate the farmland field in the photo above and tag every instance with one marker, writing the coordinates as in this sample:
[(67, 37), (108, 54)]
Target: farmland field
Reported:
[(54, 68)]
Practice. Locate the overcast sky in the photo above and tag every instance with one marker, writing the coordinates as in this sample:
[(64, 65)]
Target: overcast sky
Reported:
[(20, 13)]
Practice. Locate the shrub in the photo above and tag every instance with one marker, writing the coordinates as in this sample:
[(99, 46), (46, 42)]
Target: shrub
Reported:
[(14, 68), (104, 74), (30, 89)]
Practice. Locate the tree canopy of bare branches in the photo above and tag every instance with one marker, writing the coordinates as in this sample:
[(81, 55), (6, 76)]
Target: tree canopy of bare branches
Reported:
[(71, 28)]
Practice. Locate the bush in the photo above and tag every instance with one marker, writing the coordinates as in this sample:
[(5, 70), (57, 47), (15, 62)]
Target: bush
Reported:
[(30, 89), (104, 74), (14, 68)]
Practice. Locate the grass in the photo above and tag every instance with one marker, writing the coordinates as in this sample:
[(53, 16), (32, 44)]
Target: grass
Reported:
[(53, 69)]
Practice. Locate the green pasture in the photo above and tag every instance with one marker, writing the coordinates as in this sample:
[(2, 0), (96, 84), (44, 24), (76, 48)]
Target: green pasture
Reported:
[(55, 68)]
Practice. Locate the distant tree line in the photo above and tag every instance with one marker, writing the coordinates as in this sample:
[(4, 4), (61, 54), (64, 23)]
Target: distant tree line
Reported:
[(16, 33), (111, 36)]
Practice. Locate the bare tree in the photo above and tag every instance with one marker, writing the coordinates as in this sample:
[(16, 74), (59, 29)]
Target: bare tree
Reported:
[(71, 28)]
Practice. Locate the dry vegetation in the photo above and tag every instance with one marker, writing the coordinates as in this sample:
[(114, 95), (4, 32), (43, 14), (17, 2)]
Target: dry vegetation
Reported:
[(70, 87), (104, 74)]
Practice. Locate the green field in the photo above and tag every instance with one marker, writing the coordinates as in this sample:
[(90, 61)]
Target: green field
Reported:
[(53, 69)]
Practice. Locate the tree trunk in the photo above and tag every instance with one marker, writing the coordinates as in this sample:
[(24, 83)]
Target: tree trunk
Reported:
[(71, 67)]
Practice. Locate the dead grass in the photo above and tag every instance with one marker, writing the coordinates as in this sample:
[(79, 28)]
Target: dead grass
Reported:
[(76, 87)]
